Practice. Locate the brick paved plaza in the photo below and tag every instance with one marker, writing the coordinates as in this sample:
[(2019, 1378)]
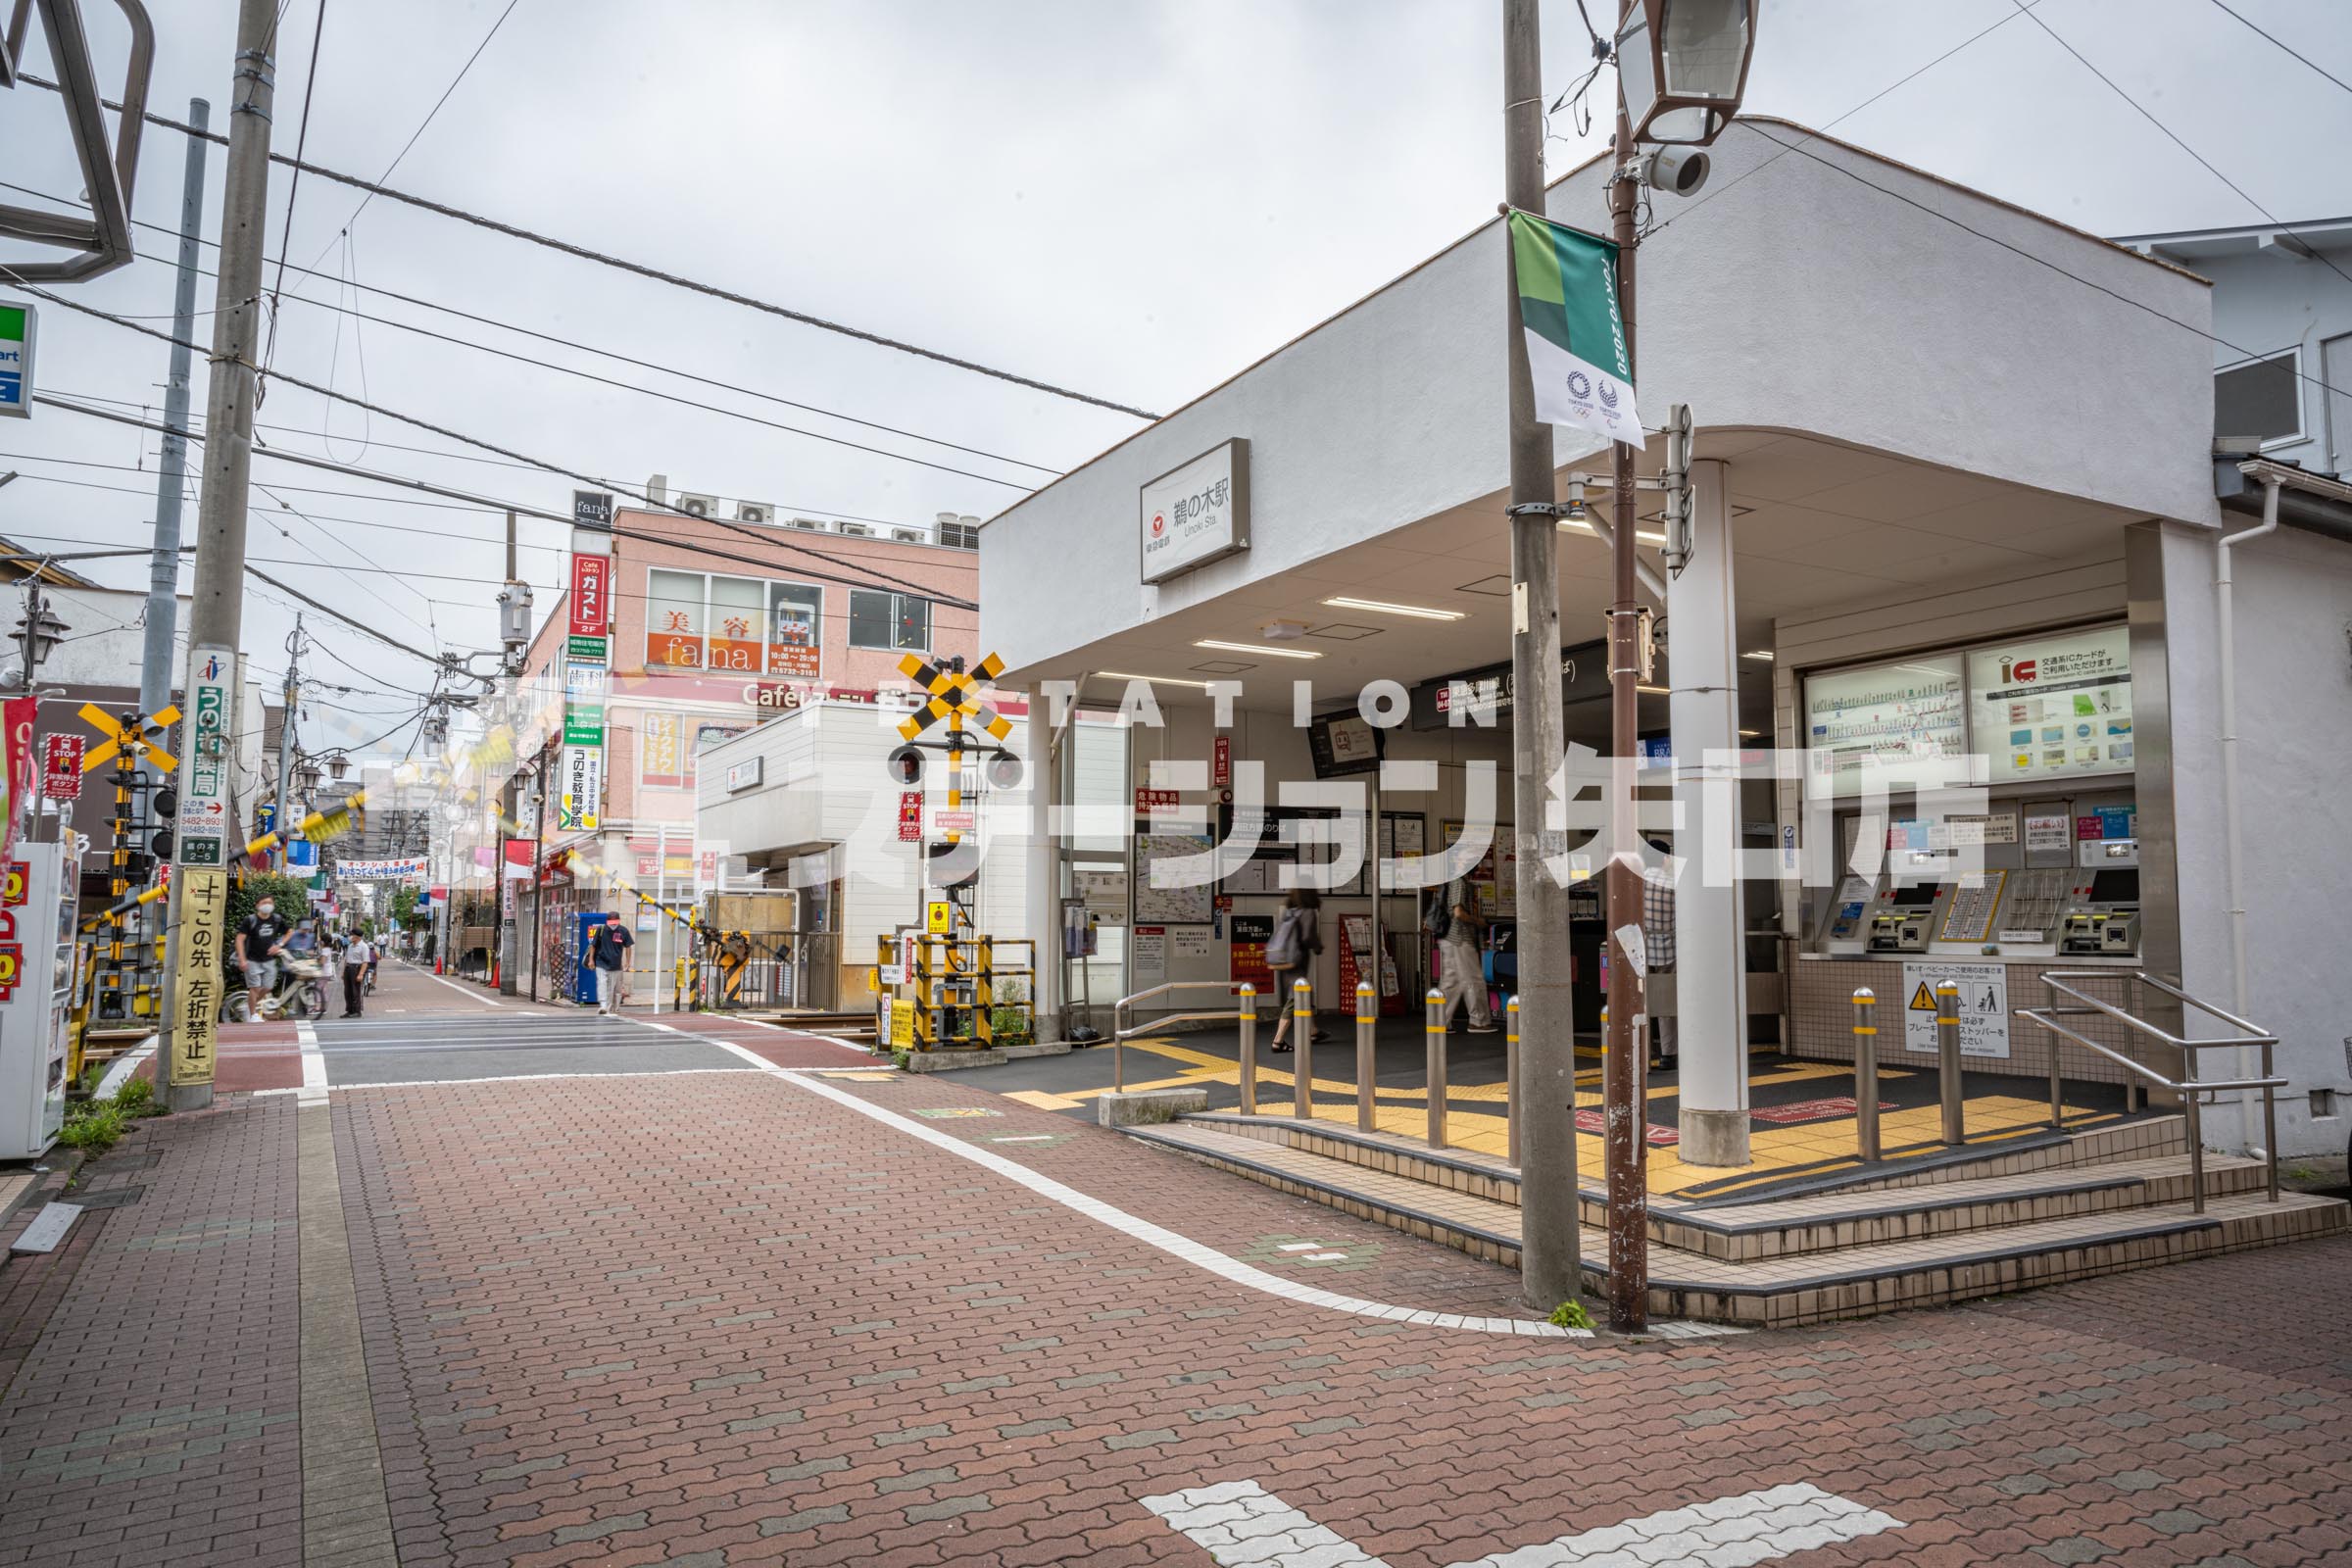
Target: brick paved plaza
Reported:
[(694, 1300)]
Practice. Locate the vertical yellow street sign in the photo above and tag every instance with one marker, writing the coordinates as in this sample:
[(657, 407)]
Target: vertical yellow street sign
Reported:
[(196, 988), (935, 917)]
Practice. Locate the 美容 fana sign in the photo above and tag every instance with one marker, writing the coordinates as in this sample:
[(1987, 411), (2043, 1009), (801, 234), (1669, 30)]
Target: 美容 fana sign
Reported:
[(17, 323), (1197, 512)]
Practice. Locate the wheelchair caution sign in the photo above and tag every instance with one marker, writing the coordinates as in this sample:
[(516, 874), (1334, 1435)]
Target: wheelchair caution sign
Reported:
[(1984, 1007)]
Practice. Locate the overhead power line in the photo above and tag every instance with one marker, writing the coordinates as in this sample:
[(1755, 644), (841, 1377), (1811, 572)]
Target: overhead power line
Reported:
[(639, 268), (2286, 48), (2018, 251), (560, 341), (2141, 110), (874, 579), (473, 441)]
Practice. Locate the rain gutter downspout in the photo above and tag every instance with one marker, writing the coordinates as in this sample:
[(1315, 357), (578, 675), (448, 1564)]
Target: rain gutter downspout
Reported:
[(2223, 587)]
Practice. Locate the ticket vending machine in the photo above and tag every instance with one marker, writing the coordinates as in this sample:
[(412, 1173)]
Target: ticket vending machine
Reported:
[(1906, 916), (37, 958), (2104, 916)]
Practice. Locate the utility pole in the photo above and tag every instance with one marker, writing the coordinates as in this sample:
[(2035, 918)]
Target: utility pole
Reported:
[(291, 695), (163, 576), (1625, 1116), (1550, 1263), (216, 618), (509, 946)]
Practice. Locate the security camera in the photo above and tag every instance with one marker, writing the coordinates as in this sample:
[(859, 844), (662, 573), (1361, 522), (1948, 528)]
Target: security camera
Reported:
[(1677, 171)]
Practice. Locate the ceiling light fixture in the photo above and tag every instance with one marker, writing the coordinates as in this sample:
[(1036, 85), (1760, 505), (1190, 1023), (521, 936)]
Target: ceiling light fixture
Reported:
[(1256, 647), (1152, 680), (1382, 607)]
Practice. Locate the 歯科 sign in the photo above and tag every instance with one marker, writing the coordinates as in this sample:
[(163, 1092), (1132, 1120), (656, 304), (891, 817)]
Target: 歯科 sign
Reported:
[(1984, 1007), (204, 794), (61, 766), (1195, 514), (17, 323)]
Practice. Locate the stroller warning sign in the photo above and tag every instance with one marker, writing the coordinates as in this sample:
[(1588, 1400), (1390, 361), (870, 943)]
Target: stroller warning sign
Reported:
[(1984, 1007)]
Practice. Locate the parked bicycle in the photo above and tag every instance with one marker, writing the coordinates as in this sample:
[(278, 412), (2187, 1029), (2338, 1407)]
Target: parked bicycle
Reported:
[(301, 994)]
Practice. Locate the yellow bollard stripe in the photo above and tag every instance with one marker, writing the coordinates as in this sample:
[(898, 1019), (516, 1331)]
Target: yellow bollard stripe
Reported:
[(1865, 1028)]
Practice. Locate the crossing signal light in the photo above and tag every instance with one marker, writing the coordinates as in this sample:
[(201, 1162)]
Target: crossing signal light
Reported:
[(162, 844), (906, 766), (1005, 772), (166, 802)]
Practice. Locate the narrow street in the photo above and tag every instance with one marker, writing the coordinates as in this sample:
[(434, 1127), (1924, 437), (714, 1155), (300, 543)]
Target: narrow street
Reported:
[(524, 1286)]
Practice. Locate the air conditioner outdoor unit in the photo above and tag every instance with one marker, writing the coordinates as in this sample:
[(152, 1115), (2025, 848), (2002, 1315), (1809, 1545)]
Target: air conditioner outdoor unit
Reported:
[(858, 530), (695, 506), (960, 535), (655, 489), (910, 536), (759, 512), (810, 524)]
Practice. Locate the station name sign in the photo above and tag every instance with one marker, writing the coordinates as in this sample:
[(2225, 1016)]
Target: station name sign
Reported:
[(1196, 512)]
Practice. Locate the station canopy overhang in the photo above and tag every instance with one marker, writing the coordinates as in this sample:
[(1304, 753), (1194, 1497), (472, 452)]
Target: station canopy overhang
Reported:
[(1910, 384)]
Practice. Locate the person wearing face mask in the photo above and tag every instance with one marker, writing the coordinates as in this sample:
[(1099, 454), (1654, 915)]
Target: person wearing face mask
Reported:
[(261, 942)]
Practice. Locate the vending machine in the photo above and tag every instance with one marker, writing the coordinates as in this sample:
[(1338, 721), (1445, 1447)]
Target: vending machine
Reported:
[(37, 958)]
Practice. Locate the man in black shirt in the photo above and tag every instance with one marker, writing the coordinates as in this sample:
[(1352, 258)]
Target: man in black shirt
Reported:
[(260, 940), (608, 952)]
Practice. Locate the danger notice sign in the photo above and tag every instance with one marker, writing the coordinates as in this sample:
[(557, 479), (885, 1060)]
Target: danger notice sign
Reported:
[(1984, 1007)]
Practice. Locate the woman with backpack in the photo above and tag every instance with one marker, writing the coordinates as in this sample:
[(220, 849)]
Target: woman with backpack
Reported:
[(1290, 953)]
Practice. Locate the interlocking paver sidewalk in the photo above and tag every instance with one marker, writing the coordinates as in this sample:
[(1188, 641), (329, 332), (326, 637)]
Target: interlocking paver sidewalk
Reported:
[(724, 1319)]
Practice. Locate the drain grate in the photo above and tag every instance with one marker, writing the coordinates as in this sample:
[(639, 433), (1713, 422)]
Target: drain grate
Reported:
[(112, 1198)]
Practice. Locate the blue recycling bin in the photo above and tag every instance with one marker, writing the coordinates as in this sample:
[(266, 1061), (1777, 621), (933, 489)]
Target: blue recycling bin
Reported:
[(583, 983)]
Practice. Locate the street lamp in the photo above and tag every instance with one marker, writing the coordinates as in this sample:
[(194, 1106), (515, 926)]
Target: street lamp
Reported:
[(338, 765), (37, 631), (1682, 66), (305, 775)]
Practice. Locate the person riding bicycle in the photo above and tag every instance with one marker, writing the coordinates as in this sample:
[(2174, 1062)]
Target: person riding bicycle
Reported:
[(261, 942), (375, 955)]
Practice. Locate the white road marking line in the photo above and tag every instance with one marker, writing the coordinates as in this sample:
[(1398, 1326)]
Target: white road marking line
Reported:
[(1326, 1257), (462, 991), (120, 1070), (510, 1078), (314, 1064), (1240, 1522), (1027, 1138), (1142, 1229)]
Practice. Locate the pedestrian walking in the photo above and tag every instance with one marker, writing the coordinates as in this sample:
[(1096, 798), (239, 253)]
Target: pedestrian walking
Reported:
[(260, 940), (358, 953), (1461, 932), (608, 952), (1290, 953)]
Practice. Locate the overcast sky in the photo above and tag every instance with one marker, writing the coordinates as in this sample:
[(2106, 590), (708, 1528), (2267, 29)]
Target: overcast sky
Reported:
[(1132, 199)]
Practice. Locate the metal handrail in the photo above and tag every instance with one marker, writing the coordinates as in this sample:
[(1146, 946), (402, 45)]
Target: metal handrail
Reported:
[(1119, 1037), (2194, 1092)]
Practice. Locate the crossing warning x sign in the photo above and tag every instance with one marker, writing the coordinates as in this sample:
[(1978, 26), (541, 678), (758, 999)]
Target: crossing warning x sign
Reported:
[(955, 696), (119, 735)]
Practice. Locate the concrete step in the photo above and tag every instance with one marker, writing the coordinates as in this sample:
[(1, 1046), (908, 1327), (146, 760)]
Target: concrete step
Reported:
[(1853, 1279), (2041, 1175)]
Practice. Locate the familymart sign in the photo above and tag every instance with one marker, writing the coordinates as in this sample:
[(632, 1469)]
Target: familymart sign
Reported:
[(15, 361)]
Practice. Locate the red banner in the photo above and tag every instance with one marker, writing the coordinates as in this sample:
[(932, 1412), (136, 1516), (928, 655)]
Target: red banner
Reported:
[(61, 766), (590, 595), (16, 716)]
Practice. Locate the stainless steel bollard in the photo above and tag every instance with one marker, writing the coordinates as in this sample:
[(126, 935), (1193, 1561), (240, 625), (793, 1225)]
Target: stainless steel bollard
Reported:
[(1303, 1019), (1947, 1062), (1866, 1072), (1248, 1078), (1367, 1015), (1434, 1030), (1510, 1078)]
